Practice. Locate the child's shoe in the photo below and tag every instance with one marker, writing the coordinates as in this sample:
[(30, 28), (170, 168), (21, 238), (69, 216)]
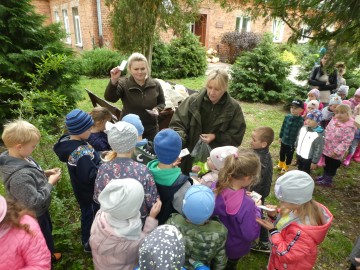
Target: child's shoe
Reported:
[(284, 169), (347, 160), (326, 182), (319, 178), (280, 165), (321, 162), (87, 247), (261, 247), (356, 156)]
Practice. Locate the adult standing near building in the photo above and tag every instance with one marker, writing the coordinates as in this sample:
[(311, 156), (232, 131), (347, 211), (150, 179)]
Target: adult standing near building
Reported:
[(211, 115), (320, 79), (139, 93)]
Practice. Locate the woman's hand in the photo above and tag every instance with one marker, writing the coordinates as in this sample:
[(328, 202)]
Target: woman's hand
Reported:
[(115, 74), (155, 209), (207, 138), (265, 223)]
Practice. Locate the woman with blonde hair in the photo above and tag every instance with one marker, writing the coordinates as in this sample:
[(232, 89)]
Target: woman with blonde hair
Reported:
[(210, 115), (139, 93)]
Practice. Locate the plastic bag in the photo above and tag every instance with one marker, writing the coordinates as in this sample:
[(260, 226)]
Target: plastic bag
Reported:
[(201, 152)]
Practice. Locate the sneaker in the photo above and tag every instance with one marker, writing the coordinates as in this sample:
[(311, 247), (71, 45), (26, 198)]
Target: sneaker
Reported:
[(55, 257), (323, 183), (87, 247), (319, 178), (261, 247)]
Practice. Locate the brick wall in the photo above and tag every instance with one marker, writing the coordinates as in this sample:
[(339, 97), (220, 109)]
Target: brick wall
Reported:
[(42, 7)]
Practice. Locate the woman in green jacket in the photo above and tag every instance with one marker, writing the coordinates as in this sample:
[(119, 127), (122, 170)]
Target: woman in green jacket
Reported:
[(211, 115)]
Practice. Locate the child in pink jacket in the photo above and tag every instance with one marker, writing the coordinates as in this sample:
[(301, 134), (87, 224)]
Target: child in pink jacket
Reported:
[(22, 244), (339, 135)]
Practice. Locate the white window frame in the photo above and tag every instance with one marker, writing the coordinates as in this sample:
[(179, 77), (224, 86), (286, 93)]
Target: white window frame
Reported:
[(56, 16), (278, 26), (77, 27), (191, 27), (304, 31), (66, 26), (239, 25)]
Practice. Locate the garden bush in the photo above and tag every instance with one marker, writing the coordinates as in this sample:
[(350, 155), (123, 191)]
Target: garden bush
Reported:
[(239, 42), (187, 58), (260, 75), (99, 62), (161, 60)]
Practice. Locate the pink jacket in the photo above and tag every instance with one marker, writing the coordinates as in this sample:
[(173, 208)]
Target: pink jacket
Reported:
[(111, 251), (295, 246), (338, 138), (21, 250)]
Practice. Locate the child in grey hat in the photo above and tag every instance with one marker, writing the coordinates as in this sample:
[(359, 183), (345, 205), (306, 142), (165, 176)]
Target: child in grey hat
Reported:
[(302, 223)]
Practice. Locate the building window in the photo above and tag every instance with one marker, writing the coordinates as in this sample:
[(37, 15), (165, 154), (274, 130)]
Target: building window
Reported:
[(278, 30), (56, 15), (242, 24), (305, 31), (191, 27), (78, 39), (66, 26)]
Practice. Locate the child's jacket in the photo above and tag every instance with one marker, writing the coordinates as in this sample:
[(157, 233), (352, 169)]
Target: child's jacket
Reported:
[(338, 138), (26, 182), (290, 129), (82, 162), (295, 246), (310, 143)]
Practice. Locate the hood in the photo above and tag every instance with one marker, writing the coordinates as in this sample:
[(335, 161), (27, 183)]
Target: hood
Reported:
[(164, 177), (233, 200), (64, 147), (8, 165)]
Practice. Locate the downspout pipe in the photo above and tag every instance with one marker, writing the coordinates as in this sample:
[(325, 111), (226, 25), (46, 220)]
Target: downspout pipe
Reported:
[(98, 7)]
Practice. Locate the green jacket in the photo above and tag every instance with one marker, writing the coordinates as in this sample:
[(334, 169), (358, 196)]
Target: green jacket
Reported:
[(205, 243), (227, 122)]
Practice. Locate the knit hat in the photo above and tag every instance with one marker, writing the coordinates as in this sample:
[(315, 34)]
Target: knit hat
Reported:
[(134, 119), (315, 115), (3, 208), (167, 146), (322, 52), (315, 92), (78, 121), (198, 204), (343, 89), (357, 92), (219, 154), (298, 103), (122, 136), (294, 187), (163, 248), (335, 100), (346, 102), (313, 103)]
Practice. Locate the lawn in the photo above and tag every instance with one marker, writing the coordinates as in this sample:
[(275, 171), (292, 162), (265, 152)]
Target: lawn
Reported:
[(343, 199)]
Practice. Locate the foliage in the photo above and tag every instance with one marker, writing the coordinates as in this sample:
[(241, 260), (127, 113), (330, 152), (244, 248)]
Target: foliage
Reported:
[(334, 23), (183, 57), (353, 81), (259, 75), (239, 42), (99, 62), (135, 23), (28, 46), (288, 57)]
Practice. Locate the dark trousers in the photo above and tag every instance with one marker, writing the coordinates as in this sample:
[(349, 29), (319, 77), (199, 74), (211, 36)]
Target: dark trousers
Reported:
[(331, 166), (264, 233), (231, 264), (88, 213), (46, 228), (286, 153), (304, 164)]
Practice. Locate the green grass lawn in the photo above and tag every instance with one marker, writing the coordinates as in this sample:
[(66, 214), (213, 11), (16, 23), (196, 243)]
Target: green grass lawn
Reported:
[(332, 252)]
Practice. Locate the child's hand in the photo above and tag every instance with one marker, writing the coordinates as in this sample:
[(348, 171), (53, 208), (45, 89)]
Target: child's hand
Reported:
[(55, 177), (195, 169), (271, 214), (177, 162), (313, 166), (265, 223), (51, 171), (155, 209)]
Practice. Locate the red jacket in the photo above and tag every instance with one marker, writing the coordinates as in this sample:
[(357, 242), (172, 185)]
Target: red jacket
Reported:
[(295, 246)]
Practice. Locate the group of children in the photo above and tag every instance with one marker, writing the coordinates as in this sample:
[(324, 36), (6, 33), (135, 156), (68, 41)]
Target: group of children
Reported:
[(321, 137)]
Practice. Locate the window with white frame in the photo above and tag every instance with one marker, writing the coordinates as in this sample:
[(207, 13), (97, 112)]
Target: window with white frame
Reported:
[(305, 32), (242, 24), (56, 16), (66, 26), (191, 27), (278, 30), (78, 38)]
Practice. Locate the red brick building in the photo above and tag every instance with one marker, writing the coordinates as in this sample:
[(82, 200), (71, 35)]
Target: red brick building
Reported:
[(86, 23)]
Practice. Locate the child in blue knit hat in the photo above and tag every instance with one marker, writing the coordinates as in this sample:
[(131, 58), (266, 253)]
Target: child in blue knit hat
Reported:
[(144, 150), (310, 142), (171, 183), (82, 162), (204, 239)]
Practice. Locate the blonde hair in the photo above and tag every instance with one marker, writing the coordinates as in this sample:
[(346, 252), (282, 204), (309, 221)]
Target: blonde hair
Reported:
[(343, 108), (220, 77), (100, 114), (242, 164), (109, 156), (137, 57), (19, 132), (266, 134), (310, 212)]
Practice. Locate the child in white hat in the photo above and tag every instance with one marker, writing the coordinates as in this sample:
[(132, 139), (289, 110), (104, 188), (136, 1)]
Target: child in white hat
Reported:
[(117, 233), (300, 226)]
